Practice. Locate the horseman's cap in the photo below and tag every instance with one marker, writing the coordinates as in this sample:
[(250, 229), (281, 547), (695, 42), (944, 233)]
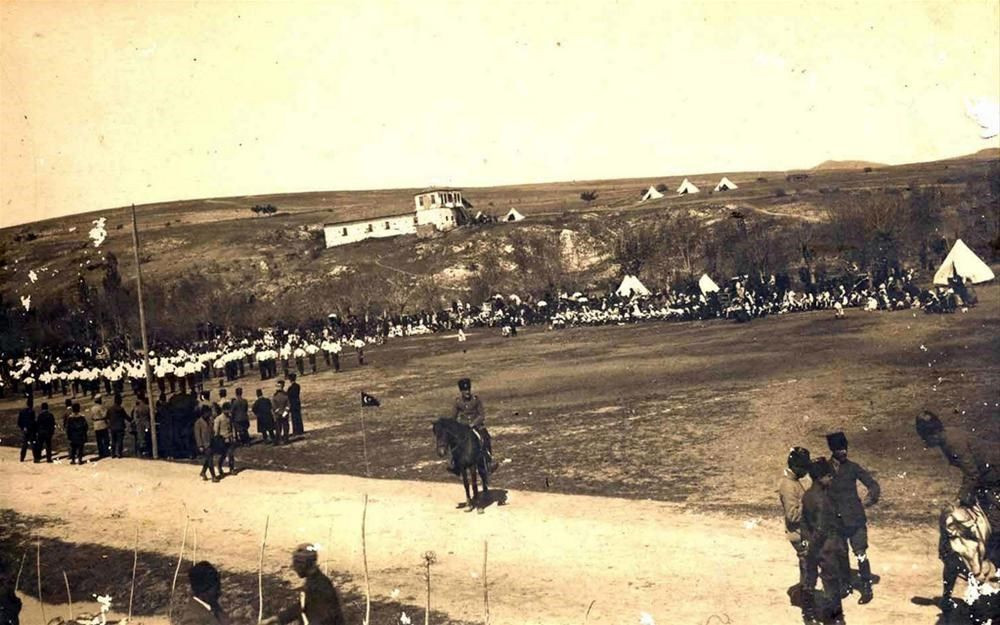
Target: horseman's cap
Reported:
[(798, 458), (819, 468), (464, 384), (836, 440)]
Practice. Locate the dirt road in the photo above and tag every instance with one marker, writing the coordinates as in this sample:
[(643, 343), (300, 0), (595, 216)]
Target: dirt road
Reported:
[(550, 555)]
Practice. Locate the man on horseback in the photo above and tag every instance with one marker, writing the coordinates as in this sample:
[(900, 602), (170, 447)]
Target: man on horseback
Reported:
[(469, 410)]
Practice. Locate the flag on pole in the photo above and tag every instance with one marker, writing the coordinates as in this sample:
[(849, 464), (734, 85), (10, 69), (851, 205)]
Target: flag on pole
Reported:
[(368, 400)]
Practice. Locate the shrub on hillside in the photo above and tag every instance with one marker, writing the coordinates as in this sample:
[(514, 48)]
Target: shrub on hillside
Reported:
[(780, 193), (588, 196)]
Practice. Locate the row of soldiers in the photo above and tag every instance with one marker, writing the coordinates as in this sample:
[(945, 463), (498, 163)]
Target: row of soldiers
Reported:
[(177, 420), (822, 521)]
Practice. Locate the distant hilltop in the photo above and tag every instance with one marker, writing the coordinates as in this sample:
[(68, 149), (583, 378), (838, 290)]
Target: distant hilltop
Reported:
[(826, 165)]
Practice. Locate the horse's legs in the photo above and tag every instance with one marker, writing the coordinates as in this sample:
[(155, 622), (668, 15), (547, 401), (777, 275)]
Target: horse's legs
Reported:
[(484, 473), (475, 483), (465, 481)]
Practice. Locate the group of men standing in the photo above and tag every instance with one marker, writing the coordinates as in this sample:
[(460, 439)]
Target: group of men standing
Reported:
[(822, 521)]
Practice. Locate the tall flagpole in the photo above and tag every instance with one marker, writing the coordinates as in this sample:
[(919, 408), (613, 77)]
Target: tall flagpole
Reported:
[(145, 343)]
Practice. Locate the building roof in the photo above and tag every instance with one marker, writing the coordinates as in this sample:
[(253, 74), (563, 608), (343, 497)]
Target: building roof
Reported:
[(351, 222), (437, 190)]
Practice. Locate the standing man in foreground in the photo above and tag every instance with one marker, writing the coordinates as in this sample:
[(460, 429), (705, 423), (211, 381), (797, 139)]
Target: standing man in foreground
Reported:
[(241, 417), (844, 492), (319, 602), (282, 412), (295, 404), (824, 545), (27, 422), (790, 492)]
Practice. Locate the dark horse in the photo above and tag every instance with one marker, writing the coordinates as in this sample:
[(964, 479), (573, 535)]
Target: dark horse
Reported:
[(465, 452)]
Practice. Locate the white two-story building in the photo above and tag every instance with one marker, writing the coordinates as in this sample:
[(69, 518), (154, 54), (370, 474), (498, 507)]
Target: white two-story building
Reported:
[(437, 210)]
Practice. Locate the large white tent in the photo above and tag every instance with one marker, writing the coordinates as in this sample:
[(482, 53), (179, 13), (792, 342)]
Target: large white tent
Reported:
[(707, 285), (652, 194), (725, 185), (513, 215), (631, 287), (963, 262), (687, 187)]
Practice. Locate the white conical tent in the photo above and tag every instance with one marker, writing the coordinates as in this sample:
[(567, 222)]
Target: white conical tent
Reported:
[(707, 285), (652, 194), (725, 185), (963, 262), (513, 215), (687, 187), (631, 287)]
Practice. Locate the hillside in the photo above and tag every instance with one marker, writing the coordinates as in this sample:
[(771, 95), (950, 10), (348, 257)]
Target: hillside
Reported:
[(220, 243)]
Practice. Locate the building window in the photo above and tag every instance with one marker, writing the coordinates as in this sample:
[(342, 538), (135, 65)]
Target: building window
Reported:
[(370, 229), (387, 225), (415, 219), (344, 232)]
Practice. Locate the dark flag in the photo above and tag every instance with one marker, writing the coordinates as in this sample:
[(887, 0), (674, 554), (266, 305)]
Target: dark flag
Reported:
[(368, 400)]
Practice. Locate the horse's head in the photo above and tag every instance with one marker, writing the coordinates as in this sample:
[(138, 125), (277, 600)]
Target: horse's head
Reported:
[(442, 435)]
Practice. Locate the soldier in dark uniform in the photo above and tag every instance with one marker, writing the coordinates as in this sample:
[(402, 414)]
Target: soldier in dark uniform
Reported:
[(318, 602), (45, 429), (469, 410), (203, 607), (979, 462), (824, 545), (790, 492), (295, 404), (27, 422), (844, 492)]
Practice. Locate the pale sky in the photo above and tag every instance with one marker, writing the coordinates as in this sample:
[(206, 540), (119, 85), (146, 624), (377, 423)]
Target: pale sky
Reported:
[(107, 103)]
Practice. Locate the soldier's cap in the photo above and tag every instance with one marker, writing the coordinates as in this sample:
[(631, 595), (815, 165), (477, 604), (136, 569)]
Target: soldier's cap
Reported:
[(464, 384), (836, 440), (203, 577), (798, 458), (306, 552), (281, 384), (819, 468), (928, 424)]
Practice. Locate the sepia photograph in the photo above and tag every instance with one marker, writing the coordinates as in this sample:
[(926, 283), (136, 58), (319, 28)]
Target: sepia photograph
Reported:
[(555, 312)]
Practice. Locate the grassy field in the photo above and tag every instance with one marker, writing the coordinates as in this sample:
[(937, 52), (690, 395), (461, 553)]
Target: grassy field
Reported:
[(695, 413)]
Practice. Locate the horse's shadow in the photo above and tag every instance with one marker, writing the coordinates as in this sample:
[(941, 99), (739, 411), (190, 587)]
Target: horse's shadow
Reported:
[(988, 607), (482, 501)]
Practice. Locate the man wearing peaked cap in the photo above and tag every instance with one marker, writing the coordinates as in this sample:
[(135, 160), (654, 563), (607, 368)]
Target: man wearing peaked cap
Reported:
[(790, 493), (854, 528), (318, 602), (469, 410)]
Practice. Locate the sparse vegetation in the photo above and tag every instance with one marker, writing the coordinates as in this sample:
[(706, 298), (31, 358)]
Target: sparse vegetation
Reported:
[(588, 196)]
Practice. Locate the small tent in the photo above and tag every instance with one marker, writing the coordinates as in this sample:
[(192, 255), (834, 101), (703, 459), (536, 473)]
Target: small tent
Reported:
[(726, 185), (652, 194), (631, 287), (707, 285), (513, 215), (963, 262), (686, 187)]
